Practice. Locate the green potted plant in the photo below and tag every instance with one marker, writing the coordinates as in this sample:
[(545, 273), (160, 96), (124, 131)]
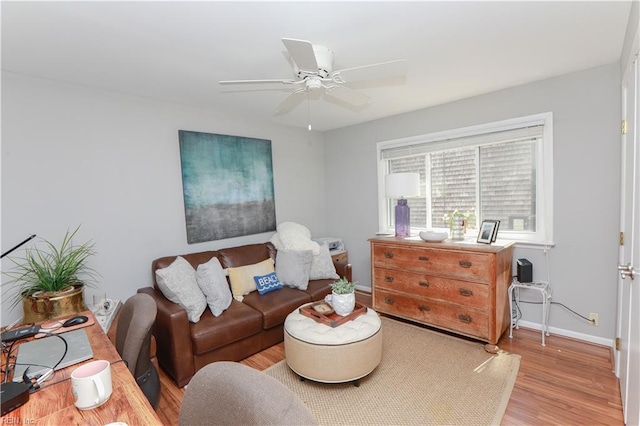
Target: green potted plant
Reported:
[(50, 281), (343, 297)]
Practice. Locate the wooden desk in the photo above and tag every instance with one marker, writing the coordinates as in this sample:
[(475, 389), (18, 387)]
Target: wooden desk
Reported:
[(54, 403)]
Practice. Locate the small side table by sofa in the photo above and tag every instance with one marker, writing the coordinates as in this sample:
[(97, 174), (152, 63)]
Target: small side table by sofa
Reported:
[(545, 290), (340, 256)]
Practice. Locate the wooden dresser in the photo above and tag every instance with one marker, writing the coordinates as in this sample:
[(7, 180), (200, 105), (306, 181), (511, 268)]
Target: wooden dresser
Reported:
[(456, 286)]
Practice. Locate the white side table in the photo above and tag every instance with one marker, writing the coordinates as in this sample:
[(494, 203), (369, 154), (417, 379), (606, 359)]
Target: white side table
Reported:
[(545, 290)]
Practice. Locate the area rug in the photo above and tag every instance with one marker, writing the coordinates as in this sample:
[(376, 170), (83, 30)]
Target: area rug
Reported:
[(425, 378)]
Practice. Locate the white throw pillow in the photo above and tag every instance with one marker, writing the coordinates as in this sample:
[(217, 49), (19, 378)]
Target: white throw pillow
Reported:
[(213, 283), (178, 283), (296, 237), (275, 240), (293, 267), (322, 266)]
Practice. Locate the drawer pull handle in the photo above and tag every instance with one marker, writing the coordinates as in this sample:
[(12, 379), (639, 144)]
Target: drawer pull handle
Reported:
[(423, 283), (465, 318), (388, 279), (466, 292), (388, 254), (424, 308), (464, 264), (423, 258), (389, 300)]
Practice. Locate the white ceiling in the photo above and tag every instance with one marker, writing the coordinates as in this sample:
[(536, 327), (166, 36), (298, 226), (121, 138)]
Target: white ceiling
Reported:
[(178, 51)]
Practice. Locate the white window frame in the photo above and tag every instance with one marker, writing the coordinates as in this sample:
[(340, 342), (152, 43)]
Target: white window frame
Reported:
[(450, 138)]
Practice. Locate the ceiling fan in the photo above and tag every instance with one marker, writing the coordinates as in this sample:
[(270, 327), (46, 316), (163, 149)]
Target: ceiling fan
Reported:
[(313, 71)]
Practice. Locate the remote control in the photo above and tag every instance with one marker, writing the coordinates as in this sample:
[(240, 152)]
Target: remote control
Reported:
[(20, 333)]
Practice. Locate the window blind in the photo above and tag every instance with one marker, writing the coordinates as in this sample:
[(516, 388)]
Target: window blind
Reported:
[(424, 147)]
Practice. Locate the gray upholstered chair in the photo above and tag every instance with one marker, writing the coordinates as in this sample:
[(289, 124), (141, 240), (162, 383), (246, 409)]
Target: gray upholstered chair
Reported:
[(133, 341), (230, 393)]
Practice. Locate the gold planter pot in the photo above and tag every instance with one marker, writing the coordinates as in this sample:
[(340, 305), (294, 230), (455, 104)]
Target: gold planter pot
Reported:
[(45, 306)]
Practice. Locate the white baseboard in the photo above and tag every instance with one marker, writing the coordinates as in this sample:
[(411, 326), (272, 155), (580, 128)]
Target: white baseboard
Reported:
[(552, 330), (568, 333)]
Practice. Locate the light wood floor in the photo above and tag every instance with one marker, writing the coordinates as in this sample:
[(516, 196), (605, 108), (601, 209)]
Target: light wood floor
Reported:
[(566, 382)]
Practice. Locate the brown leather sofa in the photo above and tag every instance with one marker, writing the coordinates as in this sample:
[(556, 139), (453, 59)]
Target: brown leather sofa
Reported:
[(244, 329)]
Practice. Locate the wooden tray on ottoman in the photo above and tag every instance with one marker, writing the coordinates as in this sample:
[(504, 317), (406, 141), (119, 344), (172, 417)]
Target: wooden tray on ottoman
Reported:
[(332, 320)]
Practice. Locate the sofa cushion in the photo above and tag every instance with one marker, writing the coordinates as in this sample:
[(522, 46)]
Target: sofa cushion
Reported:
[(178, 283), (213, 283), (245, 255), (267, 283), (293, 268), (275, 306), (318, 289), (194, 259), (241, 277), (322, 266), (238, 322)]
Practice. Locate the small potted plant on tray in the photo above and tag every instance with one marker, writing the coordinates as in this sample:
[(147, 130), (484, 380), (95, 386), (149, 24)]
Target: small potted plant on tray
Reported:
[(343, 296)]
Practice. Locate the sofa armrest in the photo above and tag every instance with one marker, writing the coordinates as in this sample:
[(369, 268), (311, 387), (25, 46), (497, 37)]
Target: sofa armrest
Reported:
[(344, 270), (172, 331)]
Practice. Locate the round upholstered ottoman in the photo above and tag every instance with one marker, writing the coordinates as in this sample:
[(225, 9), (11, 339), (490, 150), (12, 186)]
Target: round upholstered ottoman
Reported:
[(322, 353)]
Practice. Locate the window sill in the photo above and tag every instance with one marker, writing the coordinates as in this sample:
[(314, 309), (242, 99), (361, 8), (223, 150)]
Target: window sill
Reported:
[(534, 245)]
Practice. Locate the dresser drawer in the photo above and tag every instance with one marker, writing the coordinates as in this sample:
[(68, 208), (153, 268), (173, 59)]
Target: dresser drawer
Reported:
[(465, 293), (432, 312), (465, 265)]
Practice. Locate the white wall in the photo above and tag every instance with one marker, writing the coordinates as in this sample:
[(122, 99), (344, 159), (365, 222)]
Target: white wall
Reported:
[(72, 155), (586, 111), (631, 36)]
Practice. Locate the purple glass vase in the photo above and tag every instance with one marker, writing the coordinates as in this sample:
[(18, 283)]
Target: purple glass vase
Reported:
[(402, 218)]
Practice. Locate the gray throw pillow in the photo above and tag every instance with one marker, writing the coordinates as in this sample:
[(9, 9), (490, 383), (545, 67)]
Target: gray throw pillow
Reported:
[(213, 283), (322, 266), (293, 267), (178, 284)]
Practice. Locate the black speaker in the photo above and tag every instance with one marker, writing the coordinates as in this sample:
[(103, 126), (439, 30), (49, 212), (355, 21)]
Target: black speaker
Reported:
[(14, 394), (525, 271)]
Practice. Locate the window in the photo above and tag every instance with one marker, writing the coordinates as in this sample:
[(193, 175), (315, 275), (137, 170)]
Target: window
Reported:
[(497, 171)]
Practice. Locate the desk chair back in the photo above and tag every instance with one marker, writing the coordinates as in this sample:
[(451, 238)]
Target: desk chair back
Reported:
[(133, 343), (230, 393)]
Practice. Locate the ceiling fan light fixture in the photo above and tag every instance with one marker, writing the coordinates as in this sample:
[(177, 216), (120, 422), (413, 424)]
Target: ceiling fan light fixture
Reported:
[(314, 84)]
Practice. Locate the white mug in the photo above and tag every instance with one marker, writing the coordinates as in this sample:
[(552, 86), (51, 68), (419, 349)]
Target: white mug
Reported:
[(329, 299), (91, 384)]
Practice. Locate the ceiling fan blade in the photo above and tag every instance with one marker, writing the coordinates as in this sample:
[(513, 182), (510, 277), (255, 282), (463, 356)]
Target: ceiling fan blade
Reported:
[(302, 53), (290, 101), (259, 81), (397, 68), (347, 95)]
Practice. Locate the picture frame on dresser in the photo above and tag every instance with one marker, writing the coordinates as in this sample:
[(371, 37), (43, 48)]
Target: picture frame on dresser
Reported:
[(495, 232), (488, 231)]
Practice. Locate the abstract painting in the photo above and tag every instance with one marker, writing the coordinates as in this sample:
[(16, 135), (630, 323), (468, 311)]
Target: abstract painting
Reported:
[(227, 183)]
